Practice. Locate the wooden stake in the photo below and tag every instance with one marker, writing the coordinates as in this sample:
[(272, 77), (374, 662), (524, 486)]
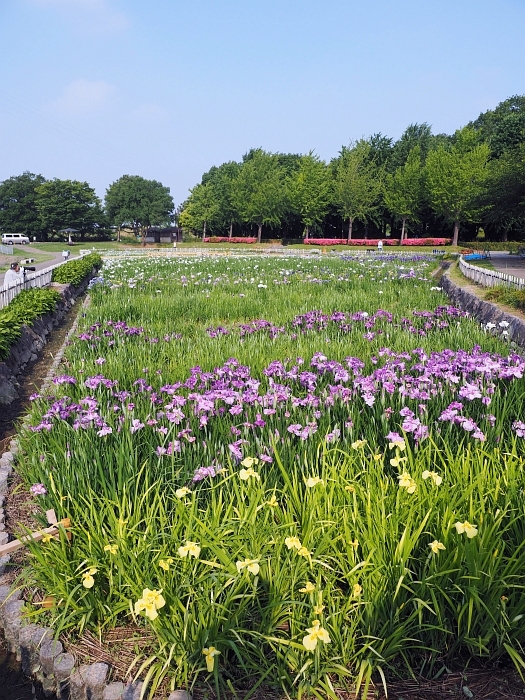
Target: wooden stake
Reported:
[(53, 530)]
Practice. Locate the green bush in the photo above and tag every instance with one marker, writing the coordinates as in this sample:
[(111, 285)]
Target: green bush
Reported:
[(511, 297), (511, 246), (75, 271), (22, 311)]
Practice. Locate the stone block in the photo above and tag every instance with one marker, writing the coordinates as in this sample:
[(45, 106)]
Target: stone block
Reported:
[(113, 691), (49, 650), (25, 640), (132, 691), (77, 683), (180, 695), (95, 679), (63, 666)]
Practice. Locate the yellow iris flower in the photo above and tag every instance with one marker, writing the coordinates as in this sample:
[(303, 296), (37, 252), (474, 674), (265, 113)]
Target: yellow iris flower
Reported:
[(309, 587), (150, 602), (437, 480), (358, 444), (470, 530), (191, 548), (246, 474), (315, 634), (435, 546), (249, 462), (407, 482), (182, 492), (293, 543), (111, 548), (398, 444), (313, 481), (210, 653), (87, 577), (166, 563), (251, 564)]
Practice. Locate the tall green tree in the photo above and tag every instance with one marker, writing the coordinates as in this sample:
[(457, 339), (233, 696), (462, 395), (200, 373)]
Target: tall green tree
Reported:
[(223, 180), (201, 208), (259, 194), (505, 194), (18, 212), (68, 204), (403, 192), (138, 202), (414, 135), (456, 179), (357, 185), (310, 191)]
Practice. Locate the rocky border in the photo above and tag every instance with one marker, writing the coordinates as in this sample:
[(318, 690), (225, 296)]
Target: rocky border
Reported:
[(37, 648), (30, 344), (484, 311)]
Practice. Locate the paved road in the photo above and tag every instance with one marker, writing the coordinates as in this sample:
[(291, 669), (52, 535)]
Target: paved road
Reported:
[(509, 264)]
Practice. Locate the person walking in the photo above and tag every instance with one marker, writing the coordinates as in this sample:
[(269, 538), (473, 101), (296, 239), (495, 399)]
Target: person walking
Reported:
[(379, 246)]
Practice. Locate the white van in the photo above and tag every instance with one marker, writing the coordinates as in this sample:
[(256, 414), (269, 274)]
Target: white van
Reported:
[(14, 239)]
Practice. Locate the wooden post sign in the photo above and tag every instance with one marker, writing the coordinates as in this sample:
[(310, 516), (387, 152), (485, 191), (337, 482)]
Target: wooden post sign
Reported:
[(53, 530)]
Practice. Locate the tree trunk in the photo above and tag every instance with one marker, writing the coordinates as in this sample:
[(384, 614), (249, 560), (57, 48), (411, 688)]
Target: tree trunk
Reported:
[(403, 230), (366, 230), (231, 229), (143, 236), (204, 232), (350, 224), (505, 236), (307, 234), (456, 233), (118, 235), (259, 232)]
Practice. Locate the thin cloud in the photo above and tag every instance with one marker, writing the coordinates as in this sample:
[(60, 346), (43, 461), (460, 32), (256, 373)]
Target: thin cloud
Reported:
[(91, 16), (82, 97)]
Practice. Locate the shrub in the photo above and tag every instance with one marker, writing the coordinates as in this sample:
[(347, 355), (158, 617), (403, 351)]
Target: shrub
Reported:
[(426, 241), (353, 241), (225, 239), (22, 311), (75, 271)]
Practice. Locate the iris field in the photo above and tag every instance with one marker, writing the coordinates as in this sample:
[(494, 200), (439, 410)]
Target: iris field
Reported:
[(301, 473)]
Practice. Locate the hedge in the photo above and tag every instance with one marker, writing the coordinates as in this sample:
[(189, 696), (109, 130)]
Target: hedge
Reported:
[(25, 308), (75, 271)]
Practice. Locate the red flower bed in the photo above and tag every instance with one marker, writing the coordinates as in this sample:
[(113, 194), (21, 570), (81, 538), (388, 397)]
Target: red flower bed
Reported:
[(426, 241), (225, 239)]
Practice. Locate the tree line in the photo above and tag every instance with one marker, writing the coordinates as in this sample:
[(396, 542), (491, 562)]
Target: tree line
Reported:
[(42, 208), (422, 184)]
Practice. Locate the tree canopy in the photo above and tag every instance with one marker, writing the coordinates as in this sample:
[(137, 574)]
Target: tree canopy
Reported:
[(18, 211), (68, 204), (138, 202)]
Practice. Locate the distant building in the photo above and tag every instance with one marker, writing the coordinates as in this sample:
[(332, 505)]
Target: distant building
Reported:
[(170, 234)]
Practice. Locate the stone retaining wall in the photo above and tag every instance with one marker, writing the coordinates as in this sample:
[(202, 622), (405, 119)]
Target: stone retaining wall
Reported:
[(484, 311), (29, 346)]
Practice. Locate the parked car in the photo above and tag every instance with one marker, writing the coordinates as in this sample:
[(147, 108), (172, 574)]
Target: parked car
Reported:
[(14, 239)]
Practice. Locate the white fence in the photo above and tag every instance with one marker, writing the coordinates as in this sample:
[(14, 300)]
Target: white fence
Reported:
[(7, 249), (490, 278)]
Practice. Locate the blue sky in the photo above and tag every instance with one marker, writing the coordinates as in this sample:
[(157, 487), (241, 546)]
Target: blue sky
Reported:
[(95, 89)]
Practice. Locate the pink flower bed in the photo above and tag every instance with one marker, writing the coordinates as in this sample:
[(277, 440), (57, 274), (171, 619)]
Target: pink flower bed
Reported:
[(354, 241), (427, 241), (225, 239)]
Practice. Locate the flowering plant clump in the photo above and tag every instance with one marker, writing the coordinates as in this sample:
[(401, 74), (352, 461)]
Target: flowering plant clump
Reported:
[(233, 239), (264, 451)]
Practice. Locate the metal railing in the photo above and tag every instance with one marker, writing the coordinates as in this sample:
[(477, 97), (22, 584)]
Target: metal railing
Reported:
[(490, 278)]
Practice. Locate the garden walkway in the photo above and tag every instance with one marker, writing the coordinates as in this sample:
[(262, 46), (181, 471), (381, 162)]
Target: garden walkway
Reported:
[(508, 264)]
